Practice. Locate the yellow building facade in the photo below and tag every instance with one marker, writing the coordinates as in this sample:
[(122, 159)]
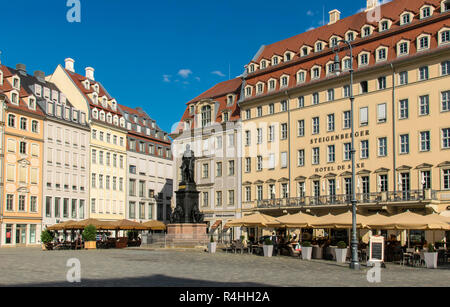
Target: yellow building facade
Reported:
[(21, 210), (296, 116)]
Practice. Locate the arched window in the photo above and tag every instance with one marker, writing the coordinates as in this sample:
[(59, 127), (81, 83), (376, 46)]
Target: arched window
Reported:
[(206, 115)]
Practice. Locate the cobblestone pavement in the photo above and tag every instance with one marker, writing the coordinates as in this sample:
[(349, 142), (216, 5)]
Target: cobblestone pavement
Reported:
[(34, 267)]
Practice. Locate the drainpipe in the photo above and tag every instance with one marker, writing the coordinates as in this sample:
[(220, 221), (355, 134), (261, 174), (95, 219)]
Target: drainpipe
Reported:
[(289, 139), (394, 148)]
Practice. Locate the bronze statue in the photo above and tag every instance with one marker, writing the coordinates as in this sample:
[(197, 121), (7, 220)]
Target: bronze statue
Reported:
[(188, 166)]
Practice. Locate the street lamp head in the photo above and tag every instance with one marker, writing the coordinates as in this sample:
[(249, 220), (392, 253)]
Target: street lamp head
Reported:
[(337, 65)]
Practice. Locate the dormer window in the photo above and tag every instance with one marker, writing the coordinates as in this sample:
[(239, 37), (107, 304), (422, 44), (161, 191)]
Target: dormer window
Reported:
[(32, 103), (275, 60), (444, 36), (230, 100), (272, 85), (252, 68), (86, 84), (333, 42), (384, 26), (75, 115), (122, 122), (402, 48), (260, 88), (263, 64), (206, 115), (248, 91), (191, 109), (366, 31), (425, 12), (102, 116), (423, 42), (95, 113), (346, 63), (96, 88), (109, 118), (330, 68), (319, 46), (350, 36), (381, 54), (315, 72), (284, 81), (1, 78), (14, 98), (287, 56), (104, 102), (445, 6), (95, 98), (364, 59), (37, 90), (405, 18), (114, 105), (16, 83), (116, 120), (301, 76), (226, 116)]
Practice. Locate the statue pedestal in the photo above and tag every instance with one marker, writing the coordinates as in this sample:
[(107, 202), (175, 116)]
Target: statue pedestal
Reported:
[(186, 235)]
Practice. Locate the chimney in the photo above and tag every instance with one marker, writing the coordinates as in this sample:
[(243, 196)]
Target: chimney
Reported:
[(70, 64), (90, 73), (335, 15), (21, 68), (371, 4), (40, 75)]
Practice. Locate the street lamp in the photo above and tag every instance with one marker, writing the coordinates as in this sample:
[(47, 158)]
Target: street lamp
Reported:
[(354, 264)]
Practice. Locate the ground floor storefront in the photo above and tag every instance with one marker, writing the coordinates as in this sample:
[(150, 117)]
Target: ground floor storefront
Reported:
[(20, 233)]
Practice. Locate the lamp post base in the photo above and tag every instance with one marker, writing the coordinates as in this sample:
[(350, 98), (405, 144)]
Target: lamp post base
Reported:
[(355, 265)]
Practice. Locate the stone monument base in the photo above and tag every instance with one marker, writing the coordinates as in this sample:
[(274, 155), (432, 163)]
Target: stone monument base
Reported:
[(186, 235)]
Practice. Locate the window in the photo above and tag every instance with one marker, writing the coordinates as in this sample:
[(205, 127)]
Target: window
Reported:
[(446, 179), (315, 98), (330, 122), (205, 199), (11, 120), (219, 199), (403, 109), (424, 105), (283, 159), (347, 151), (423, 43), (366, 31), (248, 165), (205, 171), (445, 37), (364, 149), (284, 106), (248, 114), (319, 47), (248, 194), (231, 168), (259, 161), (347, 120), (364, 59), (34, 126), (364, 116), (403, 78), (271, 136), (284, 131), (259, 192), (301, 102), (445, 101), (330, 95), (445, 68), (23, 148), (9, 202), (247, 138), (382, 147), (347, 91), (406, 19), (259, 111), (271, 165), (301, 157), (404, 143), (315, 155), (132, 187), (21, 203), (301, 77), (284, 190), (23, 123), (284, 81), (364, 87), (403, 48), (426, 12), (382, 83), (301, 127), (316, 73), (259, 136), (271, 108), (383, 182), (384, 25), (446, 138), (272, 85), (382, 54), (206, 116), (315, 125), (331, 154), (423, 73), (425, 141), (381, 113)]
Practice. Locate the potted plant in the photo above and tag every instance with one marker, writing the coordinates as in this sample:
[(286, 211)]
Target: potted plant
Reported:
[(268, 248), (46, 239), (341, 252), (431, 257), (89, 237), (212, 246), (306, 250)]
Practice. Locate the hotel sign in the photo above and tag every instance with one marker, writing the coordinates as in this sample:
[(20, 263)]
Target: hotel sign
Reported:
[(341, 167), (337, 137)]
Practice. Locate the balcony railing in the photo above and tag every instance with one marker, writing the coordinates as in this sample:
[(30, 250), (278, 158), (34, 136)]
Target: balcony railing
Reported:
[(345, 199)]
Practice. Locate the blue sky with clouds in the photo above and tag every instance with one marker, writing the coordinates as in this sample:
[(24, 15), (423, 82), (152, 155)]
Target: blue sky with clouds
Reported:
[(155, 54)]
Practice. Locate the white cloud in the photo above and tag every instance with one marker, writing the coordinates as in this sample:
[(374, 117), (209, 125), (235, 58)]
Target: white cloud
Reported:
[(218, 73), (185, 73), (310, 13), (197, 78), (166, 78)]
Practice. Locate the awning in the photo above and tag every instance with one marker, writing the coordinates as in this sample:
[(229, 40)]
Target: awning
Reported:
[(216, 225)]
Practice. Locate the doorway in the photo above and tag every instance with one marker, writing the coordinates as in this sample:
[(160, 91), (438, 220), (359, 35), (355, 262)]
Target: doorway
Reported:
[(21, 234)]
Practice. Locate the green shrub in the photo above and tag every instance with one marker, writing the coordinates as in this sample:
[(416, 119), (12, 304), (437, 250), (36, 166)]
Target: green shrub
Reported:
[(267, 241), (431, 248), (90, 233), (306, 244), (341, 245), (46, 237)]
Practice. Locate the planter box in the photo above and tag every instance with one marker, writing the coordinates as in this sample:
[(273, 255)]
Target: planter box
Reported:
[(212, 247), (341, 255), (306, 252), (90, 245), (431, 260), (268, 250)]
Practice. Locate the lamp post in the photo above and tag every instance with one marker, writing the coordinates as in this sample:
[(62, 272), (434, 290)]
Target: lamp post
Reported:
[(354, 264)]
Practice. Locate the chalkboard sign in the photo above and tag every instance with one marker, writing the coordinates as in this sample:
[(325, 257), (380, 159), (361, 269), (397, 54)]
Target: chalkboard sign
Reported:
[(376, 246)]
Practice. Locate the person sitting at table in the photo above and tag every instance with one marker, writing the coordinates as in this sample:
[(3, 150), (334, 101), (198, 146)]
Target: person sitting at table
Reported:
[(274, 243), (294, 239)]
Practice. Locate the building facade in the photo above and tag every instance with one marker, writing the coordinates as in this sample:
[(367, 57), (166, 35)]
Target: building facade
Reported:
[(296, 115), (21, 204), (66, 153), (108, 155), (149, 166), (211, 127)]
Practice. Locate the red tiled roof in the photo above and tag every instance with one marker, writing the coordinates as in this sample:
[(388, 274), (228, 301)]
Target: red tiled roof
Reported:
[(219, 94), (390, 10)]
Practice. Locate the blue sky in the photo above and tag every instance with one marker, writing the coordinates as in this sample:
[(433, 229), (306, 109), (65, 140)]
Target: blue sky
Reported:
[(155, 54)]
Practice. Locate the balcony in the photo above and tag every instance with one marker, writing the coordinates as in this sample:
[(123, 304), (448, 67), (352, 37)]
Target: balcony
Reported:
[(380, 198)]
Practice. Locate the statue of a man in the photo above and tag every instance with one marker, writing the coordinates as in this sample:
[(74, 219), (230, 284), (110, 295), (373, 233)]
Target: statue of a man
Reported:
[(188, 166)]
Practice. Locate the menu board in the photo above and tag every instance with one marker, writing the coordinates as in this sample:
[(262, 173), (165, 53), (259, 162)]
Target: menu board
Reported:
[(376, 248)]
